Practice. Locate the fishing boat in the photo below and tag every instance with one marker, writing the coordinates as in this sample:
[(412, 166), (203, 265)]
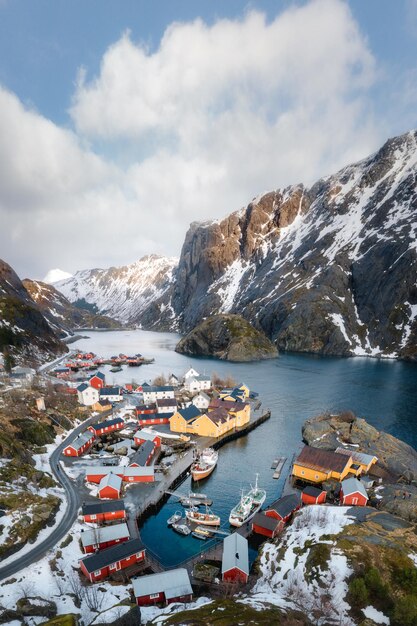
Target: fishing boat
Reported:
[(117, 368), (182, 529), (204, 464), (174, 519), (207, 518), (202, 533), (249, 504)]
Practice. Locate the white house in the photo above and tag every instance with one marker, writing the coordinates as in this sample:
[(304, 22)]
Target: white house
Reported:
[(152, 394), (87, 395), (167, 405), (112, 394), (193, 384), (201, 400), (174, 380), (205, 382), (191, 373)]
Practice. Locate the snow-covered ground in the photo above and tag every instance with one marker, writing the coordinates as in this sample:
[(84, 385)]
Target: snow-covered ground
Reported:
[(283, 579), (376, 616)]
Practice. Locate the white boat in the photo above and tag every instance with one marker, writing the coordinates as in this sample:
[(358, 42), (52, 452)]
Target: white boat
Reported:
[(190, 502), (204, 464), (182, 529), (202, 533), (174, 518), (249, 504), (207, 518)]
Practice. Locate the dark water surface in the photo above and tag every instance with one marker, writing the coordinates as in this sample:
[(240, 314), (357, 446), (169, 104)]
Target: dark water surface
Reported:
[(294, 387)]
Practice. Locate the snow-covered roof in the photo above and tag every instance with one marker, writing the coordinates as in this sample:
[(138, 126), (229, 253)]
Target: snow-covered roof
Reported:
[(81, 440), (353, 485), (360, 457), (94, 536), (235, 553), (110, 480), (174, 583)]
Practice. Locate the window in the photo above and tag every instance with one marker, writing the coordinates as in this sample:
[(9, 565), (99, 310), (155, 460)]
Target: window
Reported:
[(98, 573), (302, 472), (93, 516), (317, 476), (139, 555), (152, 596)]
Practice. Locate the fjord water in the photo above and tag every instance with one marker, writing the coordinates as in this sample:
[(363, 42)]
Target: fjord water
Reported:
[(294, 387)]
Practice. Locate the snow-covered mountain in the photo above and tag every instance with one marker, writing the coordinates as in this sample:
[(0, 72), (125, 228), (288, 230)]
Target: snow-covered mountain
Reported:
[(129, 294), (53, 276), (329, 269)]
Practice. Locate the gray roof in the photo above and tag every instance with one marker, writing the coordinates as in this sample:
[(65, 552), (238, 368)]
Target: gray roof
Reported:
[(145, 450), (262, 520), (361, 457), (83, 387), (81, 440), (111, 480), (107, 506), (113, 422), (104, 469), (173, 583), (202, 378), (110, 391), (94, 536), (112, 555), (139, 471), (146, 436), (286, 505), (190, 412), (202, 394), (353, 485), (156, 389), (235, 553)]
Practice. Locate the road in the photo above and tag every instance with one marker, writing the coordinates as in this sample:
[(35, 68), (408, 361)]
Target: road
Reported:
[(70, 515)]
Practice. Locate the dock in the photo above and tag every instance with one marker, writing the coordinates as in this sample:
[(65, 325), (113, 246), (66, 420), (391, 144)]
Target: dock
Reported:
[(277, 465), (180, 496)]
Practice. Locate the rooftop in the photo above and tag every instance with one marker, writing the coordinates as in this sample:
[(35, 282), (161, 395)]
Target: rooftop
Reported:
[(353, 485), (286, 505), (112, 555), (173, 584), (235, 553), (92, 508), (324, 460)]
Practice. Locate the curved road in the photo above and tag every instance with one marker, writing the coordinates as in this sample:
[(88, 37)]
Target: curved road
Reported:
[(73, 504)]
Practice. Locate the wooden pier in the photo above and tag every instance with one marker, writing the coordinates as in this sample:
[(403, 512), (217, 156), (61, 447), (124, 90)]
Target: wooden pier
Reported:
[(277, 465)]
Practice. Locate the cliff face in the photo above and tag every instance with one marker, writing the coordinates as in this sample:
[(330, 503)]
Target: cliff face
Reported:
[(227, 337), (330, 269), (23, 328)]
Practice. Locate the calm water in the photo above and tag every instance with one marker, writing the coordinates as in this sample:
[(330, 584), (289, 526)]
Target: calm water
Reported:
[(294, 387)]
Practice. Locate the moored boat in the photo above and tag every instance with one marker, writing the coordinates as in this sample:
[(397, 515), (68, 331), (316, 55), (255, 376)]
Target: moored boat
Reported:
[(118, 368), (202, 533), (249, 504), (182, 529), (190, 502), (207, 518), (174, 519), (204, 464)]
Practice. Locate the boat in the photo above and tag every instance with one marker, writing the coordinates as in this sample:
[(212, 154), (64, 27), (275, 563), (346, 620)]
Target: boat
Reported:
[(182, 529), (117, 368), (197, 496), (204, 464), (189, 502), (249, 504), (174, 519), (207, 518), (202, 533)]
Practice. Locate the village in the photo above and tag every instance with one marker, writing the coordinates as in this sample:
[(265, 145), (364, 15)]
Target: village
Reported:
[(138, 445)]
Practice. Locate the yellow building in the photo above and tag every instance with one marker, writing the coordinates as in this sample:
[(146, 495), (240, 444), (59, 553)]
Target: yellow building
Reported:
[(244, 388), (315, 465), (214, 424), (183, 420), (239, 410), (364, 461)]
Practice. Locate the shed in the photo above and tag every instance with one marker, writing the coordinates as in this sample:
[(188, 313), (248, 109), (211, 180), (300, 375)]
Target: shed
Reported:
[(235, 560), (313, 495), (266, 526), (100, 565), (110, 486), (143, 435), (165, 587), (145, 453), (99, 512), (283, 508), (353, 492)]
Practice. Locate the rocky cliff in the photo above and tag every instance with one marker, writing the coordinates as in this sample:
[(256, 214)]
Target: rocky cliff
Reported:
[(328, 269), (227, 337), (24, 331)]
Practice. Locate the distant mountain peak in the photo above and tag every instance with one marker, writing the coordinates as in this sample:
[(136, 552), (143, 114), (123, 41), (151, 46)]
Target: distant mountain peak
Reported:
[(53, 276)]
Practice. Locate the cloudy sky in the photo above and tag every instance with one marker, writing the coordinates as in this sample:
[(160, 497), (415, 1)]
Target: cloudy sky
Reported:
[(122, 122)]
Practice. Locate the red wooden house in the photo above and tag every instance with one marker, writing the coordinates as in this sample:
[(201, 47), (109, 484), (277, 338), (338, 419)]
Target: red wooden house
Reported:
[(96, 473), (101, 512), (267, 526), (353, 492), (94, 539), (110, 486), (110, 426), (132, 474), (139, 474), (98, 380), (164, 587), (313, 495), (235, 559), (145, 453), (153, 418), (146, 409), (80, 445), (141, 436), (283, 508), (102, 564)]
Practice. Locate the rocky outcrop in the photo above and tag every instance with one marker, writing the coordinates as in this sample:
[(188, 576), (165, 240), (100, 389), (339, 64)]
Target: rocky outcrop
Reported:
[(63, 316), (227, 337), (330, 431), (24, 331)]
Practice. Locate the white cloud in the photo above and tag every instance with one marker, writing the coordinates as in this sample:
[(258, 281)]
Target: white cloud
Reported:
[(217, 114)]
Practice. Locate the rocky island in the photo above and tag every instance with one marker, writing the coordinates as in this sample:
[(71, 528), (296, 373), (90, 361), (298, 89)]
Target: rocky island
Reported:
[(227, 337)]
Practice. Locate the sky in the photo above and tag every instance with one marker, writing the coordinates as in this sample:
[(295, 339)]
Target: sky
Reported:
[(123, 122)]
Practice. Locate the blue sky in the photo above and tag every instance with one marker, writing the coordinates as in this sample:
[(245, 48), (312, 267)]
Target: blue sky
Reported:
[(172, 94)]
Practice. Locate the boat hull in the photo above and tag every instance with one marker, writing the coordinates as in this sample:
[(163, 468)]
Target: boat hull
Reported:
[(207, 520), (201, 474)]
